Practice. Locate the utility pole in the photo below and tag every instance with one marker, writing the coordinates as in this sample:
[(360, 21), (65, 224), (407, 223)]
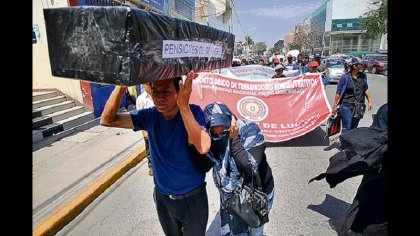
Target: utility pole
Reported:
[(231, 17), (246, 45)]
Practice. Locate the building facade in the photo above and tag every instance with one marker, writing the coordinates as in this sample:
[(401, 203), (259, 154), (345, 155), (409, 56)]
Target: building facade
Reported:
[(41, 68), (338, 23), (214, 13)]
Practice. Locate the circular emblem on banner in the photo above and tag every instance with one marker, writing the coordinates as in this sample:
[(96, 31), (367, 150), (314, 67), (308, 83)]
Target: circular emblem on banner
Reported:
[(252, 108)]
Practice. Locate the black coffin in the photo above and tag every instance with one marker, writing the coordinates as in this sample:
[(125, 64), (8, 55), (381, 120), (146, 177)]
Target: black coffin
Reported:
[(129, 46)]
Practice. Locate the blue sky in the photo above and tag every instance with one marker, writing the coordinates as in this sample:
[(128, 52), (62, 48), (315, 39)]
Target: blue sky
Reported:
[(269, 20)]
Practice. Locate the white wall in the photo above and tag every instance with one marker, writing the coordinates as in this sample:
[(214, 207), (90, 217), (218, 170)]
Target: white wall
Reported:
[(346, 9), (384, 41), (216, 21), (41, 68), (328, 18)]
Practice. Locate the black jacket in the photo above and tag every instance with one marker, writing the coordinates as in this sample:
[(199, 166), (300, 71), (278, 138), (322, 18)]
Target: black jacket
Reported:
[(365, 152), (240, 155)]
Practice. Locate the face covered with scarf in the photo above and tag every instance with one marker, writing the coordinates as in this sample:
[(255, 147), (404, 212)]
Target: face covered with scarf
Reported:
[(218, 118)]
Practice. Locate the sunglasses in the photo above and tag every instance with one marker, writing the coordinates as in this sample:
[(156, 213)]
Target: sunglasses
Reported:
[(219, 135)]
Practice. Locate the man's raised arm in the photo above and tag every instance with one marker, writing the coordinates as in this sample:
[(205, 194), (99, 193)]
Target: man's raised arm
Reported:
[(110, 116), (196, 134)]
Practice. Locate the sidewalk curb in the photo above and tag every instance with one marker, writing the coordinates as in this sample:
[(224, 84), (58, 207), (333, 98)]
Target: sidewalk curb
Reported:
[(60, 218)]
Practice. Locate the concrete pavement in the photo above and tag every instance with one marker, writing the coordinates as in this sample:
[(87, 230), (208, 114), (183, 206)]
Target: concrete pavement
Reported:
[(71, 169)]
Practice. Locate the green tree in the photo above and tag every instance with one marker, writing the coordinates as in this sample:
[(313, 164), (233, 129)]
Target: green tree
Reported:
[(278, 46), (248, 40), (260, 47), (298, 38), (306, 38), (375, 21), (313, 38)]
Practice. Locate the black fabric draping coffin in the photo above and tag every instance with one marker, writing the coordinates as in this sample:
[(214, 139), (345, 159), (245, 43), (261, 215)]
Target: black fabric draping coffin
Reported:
[(129, 46)]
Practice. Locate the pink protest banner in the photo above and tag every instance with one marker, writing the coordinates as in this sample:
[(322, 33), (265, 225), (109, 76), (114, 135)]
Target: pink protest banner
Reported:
[(284, 108)]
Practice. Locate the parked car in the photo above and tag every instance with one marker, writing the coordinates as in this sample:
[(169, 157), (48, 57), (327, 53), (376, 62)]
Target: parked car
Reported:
[(376, 63), (340, 56), (336, 68)]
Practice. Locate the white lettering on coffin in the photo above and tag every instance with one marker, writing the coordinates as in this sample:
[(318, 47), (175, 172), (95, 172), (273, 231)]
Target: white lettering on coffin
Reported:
[(173, 49)]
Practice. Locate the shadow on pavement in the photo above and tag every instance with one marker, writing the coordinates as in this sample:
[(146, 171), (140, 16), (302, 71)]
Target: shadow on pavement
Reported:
[(331, 207), (49, 140), (313, 138)]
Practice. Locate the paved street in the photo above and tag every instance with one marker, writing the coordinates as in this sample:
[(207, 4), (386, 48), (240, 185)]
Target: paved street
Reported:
[(127, 207), (92, 180)]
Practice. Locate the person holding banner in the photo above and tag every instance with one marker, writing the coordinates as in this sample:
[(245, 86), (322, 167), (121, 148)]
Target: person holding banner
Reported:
[(305, 64), (173, 125), (352, 88), (299, 63), (313, 67), (237, 147), (279, 71), (289, 64), (276, 61)]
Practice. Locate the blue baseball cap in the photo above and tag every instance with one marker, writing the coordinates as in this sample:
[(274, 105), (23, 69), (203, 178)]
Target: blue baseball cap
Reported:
[(317, 55)]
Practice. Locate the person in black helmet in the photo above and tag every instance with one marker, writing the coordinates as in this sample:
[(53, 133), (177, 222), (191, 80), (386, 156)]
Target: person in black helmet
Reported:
[(352, 88)]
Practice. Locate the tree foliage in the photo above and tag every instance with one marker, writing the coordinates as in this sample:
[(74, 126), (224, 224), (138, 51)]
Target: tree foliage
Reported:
[(306, 38), (248, 40), (278, 46), (375, 21), (260, 47)]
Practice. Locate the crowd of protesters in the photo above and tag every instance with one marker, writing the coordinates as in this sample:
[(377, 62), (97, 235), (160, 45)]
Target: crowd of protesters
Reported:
[(176, 131)]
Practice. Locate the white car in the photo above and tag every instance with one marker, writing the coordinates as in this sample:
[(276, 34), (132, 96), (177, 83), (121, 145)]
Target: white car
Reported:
[(336, 69), (339, 56)]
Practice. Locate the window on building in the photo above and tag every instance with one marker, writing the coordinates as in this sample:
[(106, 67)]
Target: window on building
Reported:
[(35, 33), (339, 25), (366, 44), (349, 25), (376, 44), (346, 42), (327, 41), (34, 37)]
